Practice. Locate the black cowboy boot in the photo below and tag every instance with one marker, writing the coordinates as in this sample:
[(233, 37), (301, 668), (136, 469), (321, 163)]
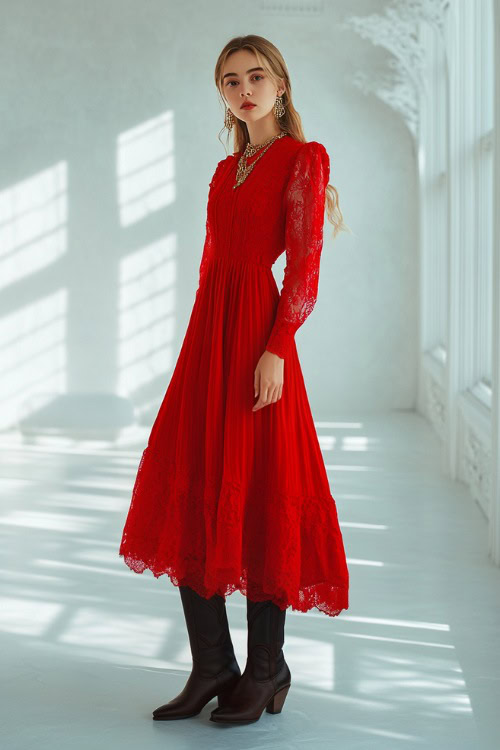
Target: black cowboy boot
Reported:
[(215, 669), (266, 679)]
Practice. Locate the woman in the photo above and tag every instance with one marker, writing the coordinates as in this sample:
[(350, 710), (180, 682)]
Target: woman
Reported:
[(231, 491)]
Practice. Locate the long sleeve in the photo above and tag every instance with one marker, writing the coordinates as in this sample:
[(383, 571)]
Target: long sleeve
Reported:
[(305, 206), (209, 232), (207, 252)]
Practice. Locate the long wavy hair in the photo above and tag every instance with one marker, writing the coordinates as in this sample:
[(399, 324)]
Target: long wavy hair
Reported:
[(271, 59)]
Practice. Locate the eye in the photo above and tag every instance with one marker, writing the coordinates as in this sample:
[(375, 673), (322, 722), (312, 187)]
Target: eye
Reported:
[(256, 75)]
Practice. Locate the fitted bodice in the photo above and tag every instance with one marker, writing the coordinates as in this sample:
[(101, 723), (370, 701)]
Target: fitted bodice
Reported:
[(278, 208), (249, 221)]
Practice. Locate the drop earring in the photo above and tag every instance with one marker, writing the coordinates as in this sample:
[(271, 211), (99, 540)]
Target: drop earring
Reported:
[(229, 119), (279, 109)]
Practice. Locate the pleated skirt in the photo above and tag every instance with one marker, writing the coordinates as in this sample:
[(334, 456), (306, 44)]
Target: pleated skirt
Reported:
[(226, 498)]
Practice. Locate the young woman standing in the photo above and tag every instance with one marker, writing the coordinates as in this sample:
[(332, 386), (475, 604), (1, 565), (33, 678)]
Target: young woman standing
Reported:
[(231, 491)]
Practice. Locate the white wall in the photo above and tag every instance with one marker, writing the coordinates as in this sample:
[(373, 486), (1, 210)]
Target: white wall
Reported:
[(109, 121)]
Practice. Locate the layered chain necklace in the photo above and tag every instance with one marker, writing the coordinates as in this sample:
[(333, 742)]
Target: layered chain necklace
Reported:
[(243, 168)]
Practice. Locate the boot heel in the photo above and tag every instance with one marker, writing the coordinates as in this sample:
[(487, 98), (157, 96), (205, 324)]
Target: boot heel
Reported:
[(276, 703)]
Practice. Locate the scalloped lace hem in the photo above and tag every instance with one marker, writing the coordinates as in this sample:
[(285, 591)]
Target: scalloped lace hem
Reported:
[(324, 596)]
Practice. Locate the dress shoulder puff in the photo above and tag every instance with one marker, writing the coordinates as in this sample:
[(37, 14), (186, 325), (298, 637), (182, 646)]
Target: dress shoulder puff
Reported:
[(312, 158)]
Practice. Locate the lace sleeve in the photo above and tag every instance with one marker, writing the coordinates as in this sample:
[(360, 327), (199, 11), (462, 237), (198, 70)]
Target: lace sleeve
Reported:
[(305, 205), (209, 233)]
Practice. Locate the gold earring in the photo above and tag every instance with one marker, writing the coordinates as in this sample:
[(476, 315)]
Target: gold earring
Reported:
[(279, 109), (228, 119)]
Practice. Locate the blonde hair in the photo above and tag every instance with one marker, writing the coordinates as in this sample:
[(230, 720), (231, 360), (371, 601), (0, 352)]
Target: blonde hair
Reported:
[(271, 59)]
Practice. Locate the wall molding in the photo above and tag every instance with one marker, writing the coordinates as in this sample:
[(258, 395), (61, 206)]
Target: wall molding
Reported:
[(396, 30)]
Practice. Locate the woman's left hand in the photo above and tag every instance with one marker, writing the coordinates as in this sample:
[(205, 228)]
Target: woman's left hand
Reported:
[(268, 379)]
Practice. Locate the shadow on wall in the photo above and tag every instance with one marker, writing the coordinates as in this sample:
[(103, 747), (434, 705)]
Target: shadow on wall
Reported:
[(37, 262)]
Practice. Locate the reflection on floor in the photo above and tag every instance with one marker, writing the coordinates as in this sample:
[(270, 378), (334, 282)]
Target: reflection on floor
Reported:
[(89, 648)]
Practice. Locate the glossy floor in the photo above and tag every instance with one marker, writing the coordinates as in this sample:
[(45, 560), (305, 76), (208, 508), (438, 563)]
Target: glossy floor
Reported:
[(89, 648)]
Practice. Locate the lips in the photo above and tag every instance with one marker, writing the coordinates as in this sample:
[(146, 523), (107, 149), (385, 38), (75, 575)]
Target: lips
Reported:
[(247, 105)]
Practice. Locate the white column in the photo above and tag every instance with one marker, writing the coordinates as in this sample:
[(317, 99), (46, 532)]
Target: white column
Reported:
[(459, 373), (494, 516)]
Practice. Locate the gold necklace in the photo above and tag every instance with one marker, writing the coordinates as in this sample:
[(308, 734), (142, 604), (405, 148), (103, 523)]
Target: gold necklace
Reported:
[(243, 169)]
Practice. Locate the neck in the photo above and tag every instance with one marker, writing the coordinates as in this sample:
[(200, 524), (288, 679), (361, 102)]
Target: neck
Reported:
[(263, 129)]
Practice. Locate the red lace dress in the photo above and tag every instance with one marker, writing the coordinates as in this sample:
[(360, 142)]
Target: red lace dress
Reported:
[(228, 498)]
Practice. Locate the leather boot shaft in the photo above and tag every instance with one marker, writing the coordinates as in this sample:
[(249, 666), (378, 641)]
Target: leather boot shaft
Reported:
[(266, 679), (215, 669)]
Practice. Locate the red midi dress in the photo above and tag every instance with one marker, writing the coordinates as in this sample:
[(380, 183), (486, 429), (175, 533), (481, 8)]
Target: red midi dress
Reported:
[(227, 498)]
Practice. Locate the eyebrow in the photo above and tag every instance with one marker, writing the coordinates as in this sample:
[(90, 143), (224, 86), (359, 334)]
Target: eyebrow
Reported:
[(250, 70)]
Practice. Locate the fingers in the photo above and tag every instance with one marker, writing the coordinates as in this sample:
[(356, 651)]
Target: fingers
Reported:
[(269, 395), (268, 380), (273, 394)]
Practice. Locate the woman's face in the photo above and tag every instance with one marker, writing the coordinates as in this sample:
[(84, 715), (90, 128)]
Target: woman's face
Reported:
[(243, 80)]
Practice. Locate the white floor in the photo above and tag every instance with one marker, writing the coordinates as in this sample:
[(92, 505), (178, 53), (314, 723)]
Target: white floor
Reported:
[(89, 647)]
